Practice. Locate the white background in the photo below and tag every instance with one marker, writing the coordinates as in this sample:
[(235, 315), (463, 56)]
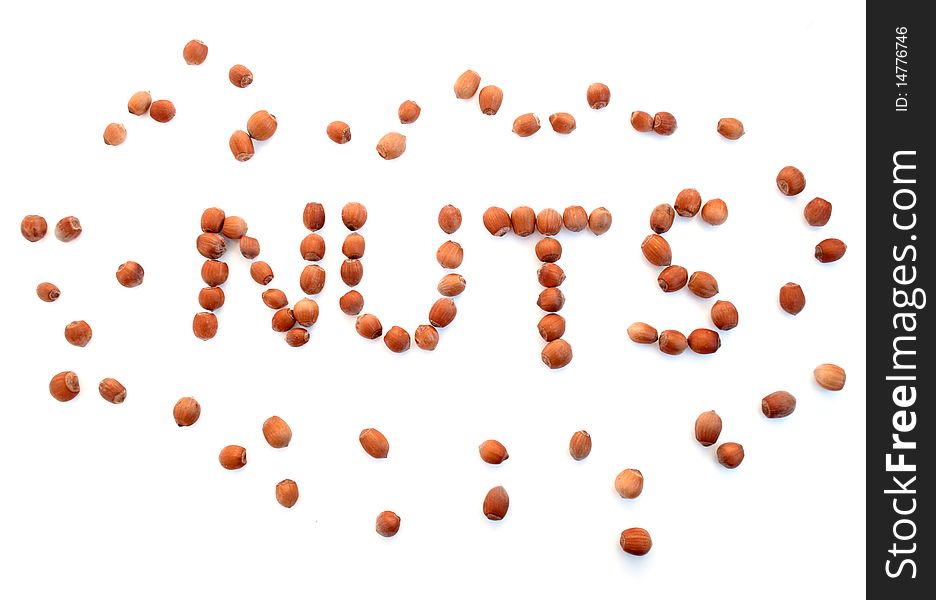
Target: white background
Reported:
[(119, 502)]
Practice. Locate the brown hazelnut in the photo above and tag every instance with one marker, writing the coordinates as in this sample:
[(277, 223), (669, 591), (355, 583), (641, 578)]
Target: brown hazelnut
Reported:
[(241, 145), (388, 523), (496, 221), (214, 272), (277, 432), (489, 99), (442, 313), (233, 457), (548, 221), (368, 326), (162, 111), (205, 325), (33, 228), (599, 221), (656, 250), (261, 272), (526, 125), (210, 245), (112, 390), (522, 219), (704, 341), (64, 386), (450, 255), (551, 327), (450, 219), (287, 493), (730, 455), (427, 337), (673, 278), (598, 95), (186, 411), (467, 84), (195, 52), (391, 145), (261, 125), (642, 333), (312, 247), (274, 298), (408, 112), (715, 211), (724, 315), (664, 123), (496, 503), (818, 212), (557, 354), (306, 312), (212, 220), (574, 218), (548, 250), (580, 445), (354, 215), (451, 285), (312, 279), (240, 76), (551, 300), (313, 216), (641, 121), (729, 128), (115, 134), (283, 320), (562, 122), (792, 298), (629, 483), (139, 103), (397, 339), (778, 405), (352, 272), (249, 247), (338, 132), (493, 452), (830, 250), (636, 541), (661, 218), (297, 336), (830, 377), (130, 274), (550, 275), (78, 333), (673, 342), (688, 202), (67, 229), (708, 427), (351, 303), (374, 443), (791, 181), (48, 292), (703, 284), (211, 298)]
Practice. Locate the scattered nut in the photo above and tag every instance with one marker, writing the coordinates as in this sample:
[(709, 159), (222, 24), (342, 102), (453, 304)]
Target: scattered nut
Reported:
[(233, 457), (791, 181), (214, 272), (351, 303), (550, 275), (240, 76), (368, 326), (287, 493), (64, 386), (641, 121), (551, 300), (306, 312), (451, 285), (450, 219), (388, 523), (427, 337), (688, 202), (48, 292), (817, 212), (673, 342), (702, 284), (704, 341), (312, 279), (67, 229), (792, 298), (283, 320), (496, 221), (234, 227), (312, 247), (708, 427), (442, 313), (352, 272), (210, 245), (522, 219), (195, 52), (162, 111), (139, 103), (493, 452), (211, 298), (673, 278), (78, 333), (261, 272), (205, 325), (664, 123), (548, 221), (580, 445), (551, 327), (338, 132), (354, 215), (297, 336), (724, 315), (467, 84), (661, 218), (212, 220), (557, 354), (490, 99), (277, 432), (186, 411), (130, 274), (33, 228), (598, 95), (112, 390), (397, 339), (261, 125), (599, 221), (656, 250), (249, 247), (778, 405), (574, 218), (274, 298), (450, 254), (526, 125), (562, 122), (642, 333), (408, 112), (496, 503), (636, 541), (391, 146), (241, 145), (374, 443), (830, 250), (730, 455), (629, 483), (729, 128), (548, 250), (115, 134), (829, 376), (715, 211)]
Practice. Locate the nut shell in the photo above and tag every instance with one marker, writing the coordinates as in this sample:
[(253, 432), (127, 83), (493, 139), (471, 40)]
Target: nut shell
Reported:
[(548, 221), (33, 228), (580, 445), (338, 132), (830, 250), (287, 493), (661, 218), (817, 212), (496, 221), (664, 123), (641, 121), (368, 326), (352, 272), (312, 279), (730, 455), (703, 284), (656, 250), (563, 123), (724, 315), (493, 452), (791, 181), (139, 103), (277, 432), (548, 250), (233, 457), (450, 219), (598, 96), (130, 274), (451, 285), (312, 248), (829, 376), (313, 216), (551, 327), (523, 221), (688, 202), (112, 390), (642, 333), (792, 298), (557, 354), (388, 524), (205, 325), (240, 76), (629, 483), (397, 339), (391, 145), (78, 333), (442, 313), (526, 125), (408, 112), (195, 52), (673, 278), (704, 341), (489, 99), (351, 303), (673, 342), (636, 541), (374, 443), (467, 84), (427, 337), (708, 427), (64, 386), (162, 111), (67, 229), (450, 255), (778, 405), (354, 215), (261, 125), (730, 128), (186, 411), (496, 504), (715, 211)]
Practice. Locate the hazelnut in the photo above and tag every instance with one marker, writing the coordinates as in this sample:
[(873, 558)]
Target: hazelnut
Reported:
[(313, 216), (664, 123), (391, 145), (274, 298), (261, 125), (829, 376), (730, 455), (551, 327), (493, 452), (388, 523), (205, 325), (351, 303), (64, 386), (240, 76), (353, 246), (724, 315), (408, 112), (210, 245), (112, 390), (397, 339), (792, 298), (67, 229), (550, 275), (656, 250), (526, 125), (818, 212), (214, 272), (48, 292), (557, 354), (277, 432), (548, 221), (368, 326), (287, 493), (78, 333), (673, 278), (306, 312), (195, 52), (830, 250), (241, 145), (261, 272), (33, 228), (233, 457), (450, 219), (580, 445), (451, 285), (551, 300), (312, 279), (778, 405), (636, 541), (162, 111), (702, 284), (186, 411), (297, 337), (598, 95), (211, 298), (790, 181), (661, 218), (496, 221), (442, 313), (115, 134), (283, 320), (629, 483), (574, 218), (139, 103), (729, 128), (548, 250), (249, 247), (688, 202), (351, 271), (338, 132), (212, 220), (374, 443), (427, 337), (562, 122), (642, 333), (130, 274), (312, 247), (522, 219), (599, 221), (467, 84), (354, 215), (708, 427), (496, 503), (450, 254), (704, 341), (641, 121), (715, 211), (673, 342), (489, 99)]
